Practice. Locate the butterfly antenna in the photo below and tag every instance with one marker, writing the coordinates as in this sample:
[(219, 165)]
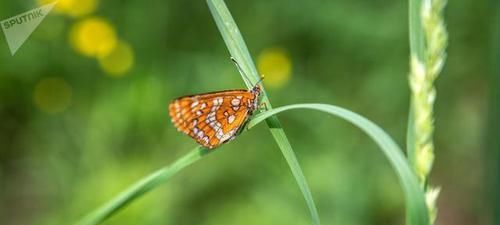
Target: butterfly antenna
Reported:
[(241, 70), (260, 80)]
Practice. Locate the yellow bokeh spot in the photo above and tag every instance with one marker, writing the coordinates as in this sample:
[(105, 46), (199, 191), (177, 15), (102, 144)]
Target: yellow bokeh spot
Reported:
[(275, 65), (52, 95), (74, 8), (119, 61), (93, 37)]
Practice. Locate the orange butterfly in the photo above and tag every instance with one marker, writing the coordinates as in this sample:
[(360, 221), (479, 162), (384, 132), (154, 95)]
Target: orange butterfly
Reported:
[(217, 117)]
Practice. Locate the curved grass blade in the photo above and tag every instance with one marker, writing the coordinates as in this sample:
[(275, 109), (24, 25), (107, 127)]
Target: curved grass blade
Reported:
[(238, 49), (142, 187), (415, 204)]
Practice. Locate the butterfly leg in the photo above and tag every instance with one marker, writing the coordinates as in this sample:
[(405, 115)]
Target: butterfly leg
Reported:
[(263, 105)]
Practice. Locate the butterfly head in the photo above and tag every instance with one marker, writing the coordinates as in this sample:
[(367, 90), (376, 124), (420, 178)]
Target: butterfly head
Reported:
[(256, 91)]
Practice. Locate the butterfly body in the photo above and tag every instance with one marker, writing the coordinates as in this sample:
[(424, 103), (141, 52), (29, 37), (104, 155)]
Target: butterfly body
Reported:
[(214, 118)]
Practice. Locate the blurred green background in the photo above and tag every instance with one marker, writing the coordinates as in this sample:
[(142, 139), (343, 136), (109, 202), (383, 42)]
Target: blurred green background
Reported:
[(83, 112)]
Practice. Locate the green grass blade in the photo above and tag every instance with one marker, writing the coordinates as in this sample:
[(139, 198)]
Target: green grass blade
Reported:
[(238, 50), (142, 187), (287, 151), (233, 39), (415, 202)]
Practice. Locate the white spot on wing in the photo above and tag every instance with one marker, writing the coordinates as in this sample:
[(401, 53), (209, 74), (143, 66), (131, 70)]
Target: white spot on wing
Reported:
[(211, 114), (224, 137), (219, 135), (235, 102), (217, 101), (231, 119)]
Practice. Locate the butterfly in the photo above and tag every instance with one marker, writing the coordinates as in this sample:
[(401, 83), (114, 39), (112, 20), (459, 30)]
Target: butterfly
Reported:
[(215, 118)]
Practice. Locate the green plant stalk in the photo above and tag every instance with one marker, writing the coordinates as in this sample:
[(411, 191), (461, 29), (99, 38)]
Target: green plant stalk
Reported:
[(417, 50), (142, 187), (238, 49), (428, 41), (426, 63), (417, 41)]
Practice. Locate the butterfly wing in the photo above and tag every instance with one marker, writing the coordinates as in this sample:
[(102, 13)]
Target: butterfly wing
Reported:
[(212, 118)]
